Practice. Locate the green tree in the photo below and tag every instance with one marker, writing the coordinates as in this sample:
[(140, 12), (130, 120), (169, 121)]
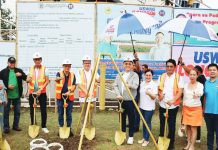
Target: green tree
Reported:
[(6, 15)]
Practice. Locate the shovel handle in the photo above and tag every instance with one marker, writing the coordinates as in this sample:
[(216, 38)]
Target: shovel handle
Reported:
[(120, 113), (64, 96), (34, 95)]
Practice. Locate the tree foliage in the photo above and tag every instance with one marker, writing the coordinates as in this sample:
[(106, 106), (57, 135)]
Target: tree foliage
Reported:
[(6, 15)]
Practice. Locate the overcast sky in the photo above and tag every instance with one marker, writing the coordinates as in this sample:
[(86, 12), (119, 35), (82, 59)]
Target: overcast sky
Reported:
[(12, 4)]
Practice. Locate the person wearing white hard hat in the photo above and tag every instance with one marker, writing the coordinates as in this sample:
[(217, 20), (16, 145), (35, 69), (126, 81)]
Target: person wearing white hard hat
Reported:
[(83, 81), (39, 81), (132, 81), (65, 85)]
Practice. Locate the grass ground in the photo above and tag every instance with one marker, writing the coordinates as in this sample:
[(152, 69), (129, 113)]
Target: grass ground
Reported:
[(106, 124)]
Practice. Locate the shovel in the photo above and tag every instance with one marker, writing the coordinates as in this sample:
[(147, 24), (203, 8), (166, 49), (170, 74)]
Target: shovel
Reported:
[(64, 131), (34, 129), (120, 136), (90, 130), (3, 142), (163, 142)]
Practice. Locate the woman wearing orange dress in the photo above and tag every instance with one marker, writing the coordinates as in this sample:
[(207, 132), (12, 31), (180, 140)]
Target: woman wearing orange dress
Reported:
[(192, 109)]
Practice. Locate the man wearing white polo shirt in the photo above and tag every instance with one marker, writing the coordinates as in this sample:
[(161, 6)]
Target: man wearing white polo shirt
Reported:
[(170, 85), (83, 81)]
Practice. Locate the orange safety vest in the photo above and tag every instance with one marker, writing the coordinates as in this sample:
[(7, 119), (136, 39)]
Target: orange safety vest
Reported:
[(85, 86), (60, 84), (40, 79), (175, 86)]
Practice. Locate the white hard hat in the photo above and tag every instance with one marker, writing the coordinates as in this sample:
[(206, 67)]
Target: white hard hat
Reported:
[(36, 55), (66, 62), (128, 59), (86, 57)]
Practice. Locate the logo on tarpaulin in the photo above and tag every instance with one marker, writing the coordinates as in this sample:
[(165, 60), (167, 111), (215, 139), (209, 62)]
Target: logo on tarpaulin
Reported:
[(108, 10), (70, 6), (162, 13)]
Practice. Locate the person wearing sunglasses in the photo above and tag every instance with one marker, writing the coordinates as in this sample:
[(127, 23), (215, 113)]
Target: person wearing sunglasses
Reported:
[(39, 81), (12, 78)]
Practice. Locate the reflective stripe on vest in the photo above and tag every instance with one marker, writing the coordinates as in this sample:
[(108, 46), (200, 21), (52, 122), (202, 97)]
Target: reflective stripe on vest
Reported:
[(40, 79), (60, 84), (175, 86), (85, 86)]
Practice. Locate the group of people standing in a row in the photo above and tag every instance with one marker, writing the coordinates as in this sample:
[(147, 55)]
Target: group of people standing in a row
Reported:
[(199, 97), (11, 89)]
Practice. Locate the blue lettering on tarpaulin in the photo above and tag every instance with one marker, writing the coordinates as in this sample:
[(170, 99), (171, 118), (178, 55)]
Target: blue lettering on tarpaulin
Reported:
[(214, 58), (147, 8), (157, 25), (146, 31), (157, 66), (205, 57)]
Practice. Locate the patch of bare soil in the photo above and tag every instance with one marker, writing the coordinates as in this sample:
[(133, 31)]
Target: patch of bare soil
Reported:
[(72, 143)]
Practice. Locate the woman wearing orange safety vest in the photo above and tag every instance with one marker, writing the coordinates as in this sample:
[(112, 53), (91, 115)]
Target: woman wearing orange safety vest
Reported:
[(83, 81), (170, 86), (38, 82), (65, 85)]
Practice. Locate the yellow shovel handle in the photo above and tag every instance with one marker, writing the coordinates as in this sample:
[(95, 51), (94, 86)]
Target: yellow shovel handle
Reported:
[(34, 95), (120, 113)]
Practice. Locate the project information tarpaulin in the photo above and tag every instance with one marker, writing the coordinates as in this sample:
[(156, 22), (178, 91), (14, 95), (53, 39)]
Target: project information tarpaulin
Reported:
[(57, 31)]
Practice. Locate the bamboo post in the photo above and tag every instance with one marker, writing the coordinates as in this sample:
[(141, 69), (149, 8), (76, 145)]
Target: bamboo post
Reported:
[(102, 87)]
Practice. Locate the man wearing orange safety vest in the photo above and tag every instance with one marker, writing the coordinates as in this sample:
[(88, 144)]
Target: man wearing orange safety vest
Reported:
[(170, 85), (83, 81), (65, 85), (38, 82)]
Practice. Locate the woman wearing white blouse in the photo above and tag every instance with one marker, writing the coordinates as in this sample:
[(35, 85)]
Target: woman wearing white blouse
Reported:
[(148, 93), (192, 110)]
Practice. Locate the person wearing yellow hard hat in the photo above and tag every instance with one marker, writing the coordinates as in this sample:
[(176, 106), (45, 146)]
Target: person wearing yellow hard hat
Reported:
[(132, 81), (65, 84), (38, 82), (83, 81)]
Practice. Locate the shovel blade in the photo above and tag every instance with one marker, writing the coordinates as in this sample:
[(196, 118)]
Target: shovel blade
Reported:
[(90, 133), (64, 132), (33, 131), (4, 145), (119, 137), (163, 143)]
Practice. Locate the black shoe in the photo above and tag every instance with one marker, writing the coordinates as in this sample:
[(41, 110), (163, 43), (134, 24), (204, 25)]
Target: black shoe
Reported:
[(171, 147), (136, 130), (6, 131), (71, 134), (17, 129)]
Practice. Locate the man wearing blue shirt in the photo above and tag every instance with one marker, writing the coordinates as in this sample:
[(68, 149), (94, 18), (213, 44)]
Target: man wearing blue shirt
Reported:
[(65, 85), (211, 105)]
